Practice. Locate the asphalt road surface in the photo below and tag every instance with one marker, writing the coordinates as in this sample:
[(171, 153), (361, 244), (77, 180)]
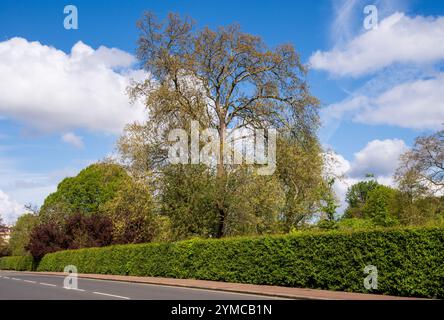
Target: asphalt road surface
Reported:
[(25, 286)]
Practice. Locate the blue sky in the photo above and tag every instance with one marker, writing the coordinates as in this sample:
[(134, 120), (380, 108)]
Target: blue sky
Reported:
[(377, 87)]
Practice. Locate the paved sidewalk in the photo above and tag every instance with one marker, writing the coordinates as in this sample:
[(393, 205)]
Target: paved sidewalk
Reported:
[(274, 291)]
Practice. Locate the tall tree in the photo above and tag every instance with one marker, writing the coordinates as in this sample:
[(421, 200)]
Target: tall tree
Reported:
[(422, 167), (224, 79)]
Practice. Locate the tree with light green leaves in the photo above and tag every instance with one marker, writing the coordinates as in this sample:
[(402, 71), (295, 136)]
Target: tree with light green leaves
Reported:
[(84, 193), (224, 79), (381, 206), (21, 232)]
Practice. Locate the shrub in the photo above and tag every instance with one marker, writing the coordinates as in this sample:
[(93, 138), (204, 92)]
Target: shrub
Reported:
[(87, 231), (409, 261), (355, 223), (79, 231), (18, 263), (46, 238)]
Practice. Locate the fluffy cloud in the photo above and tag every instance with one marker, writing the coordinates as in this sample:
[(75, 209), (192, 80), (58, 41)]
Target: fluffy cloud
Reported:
[(379, 157), (9, 208), (50, 90), (415, 104), (398, 39), (73, 139)]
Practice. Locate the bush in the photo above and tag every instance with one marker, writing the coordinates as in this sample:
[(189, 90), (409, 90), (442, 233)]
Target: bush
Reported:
[(355, 223), (18, 263), (78, 231), (45, 238), (409, 261)]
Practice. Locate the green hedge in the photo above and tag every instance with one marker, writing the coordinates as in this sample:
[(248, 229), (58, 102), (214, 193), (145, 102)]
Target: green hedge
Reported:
[(19, 263), (409, 261)]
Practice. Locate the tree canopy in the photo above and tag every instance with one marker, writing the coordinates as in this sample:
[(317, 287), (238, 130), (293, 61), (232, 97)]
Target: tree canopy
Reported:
[(86, 192), (224, 79)]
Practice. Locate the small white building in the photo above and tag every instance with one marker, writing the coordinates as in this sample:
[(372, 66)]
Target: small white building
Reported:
[(5, 233)]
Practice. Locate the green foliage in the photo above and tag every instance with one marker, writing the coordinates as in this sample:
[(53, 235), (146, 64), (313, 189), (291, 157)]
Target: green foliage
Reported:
[(84, 193), (409, 261), (188, 198), (21, 232), (132, 213), (253, 203), (381, 206), (327, 224), (188, 195), (18, 263), (355, 224), (329, 203), (299, 169), (356, 197)]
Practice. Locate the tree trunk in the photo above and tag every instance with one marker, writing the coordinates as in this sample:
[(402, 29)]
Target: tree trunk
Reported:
[(220, 180)]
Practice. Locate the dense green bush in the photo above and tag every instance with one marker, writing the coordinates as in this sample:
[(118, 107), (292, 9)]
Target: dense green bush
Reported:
[(19, 263), (409, 261)]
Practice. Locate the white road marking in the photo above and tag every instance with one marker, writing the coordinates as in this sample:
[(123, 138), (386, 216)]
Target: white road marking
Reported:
[(111, 295), (7, 277), (48, 284), (29, 281), (81, 290), (15, 279)]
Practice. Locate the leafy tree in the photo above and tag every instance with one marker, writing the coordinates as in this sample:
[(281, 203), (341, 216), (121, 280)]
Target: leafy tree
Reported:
[(424, 163), (254, 203), (420, 177), (330, 203), (357, 196), (132, 213), (21, 232), (381, 206), (222, 79), (85, 193), (187, 199), (299, 170), (88, 231)]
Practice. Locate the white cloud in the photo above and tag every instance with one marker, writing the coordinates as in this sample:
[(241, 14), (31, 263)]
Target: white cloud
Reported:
[(379, 157), (417, 104), (73, 139), (398, 39), (50, 90), (10, 209)]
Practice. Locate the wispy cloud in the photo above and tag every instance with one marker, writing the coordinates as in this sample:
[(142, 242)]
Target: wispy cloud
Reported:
[(398, 39), (73, 139)]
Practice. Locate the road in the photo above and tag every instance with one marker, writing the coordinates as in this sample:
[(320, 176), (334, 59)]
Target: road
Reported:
[(25, 286)]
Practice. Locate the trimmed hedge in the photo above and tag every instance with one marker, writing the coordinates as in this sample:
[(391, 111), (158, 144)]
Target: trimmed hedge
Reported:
[(18, 263), (409, 261)]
